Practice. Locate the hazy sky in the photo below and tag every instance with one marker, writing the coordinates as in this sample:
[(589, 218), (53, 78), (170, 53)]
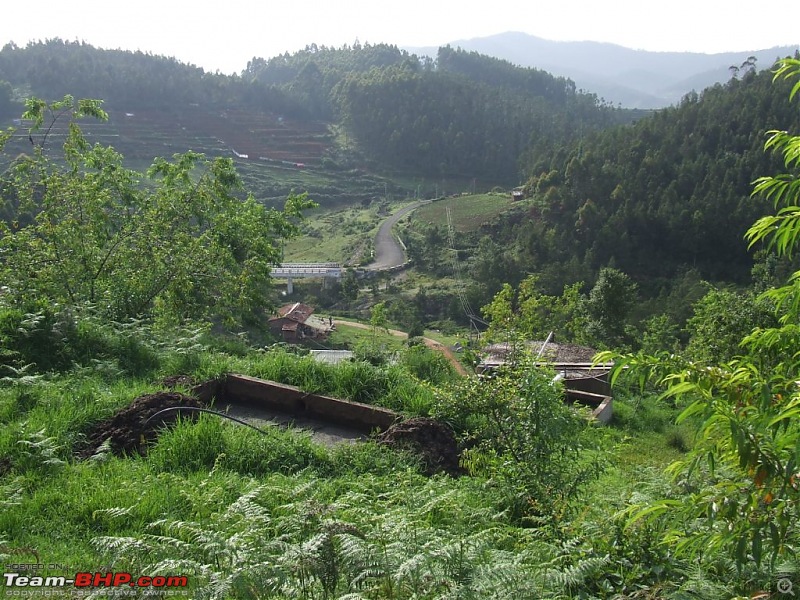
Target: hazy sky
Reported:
[(225, 35)]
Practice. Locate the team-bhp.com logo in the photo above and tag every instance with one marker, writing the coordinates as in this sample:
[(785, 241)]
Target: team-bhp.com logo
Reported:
[(89, 580)]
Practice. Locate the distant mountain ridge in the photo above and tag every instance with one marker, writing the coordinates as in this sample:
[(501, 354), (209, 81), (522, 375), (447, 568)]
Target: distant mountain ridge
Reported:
[(622, 76)]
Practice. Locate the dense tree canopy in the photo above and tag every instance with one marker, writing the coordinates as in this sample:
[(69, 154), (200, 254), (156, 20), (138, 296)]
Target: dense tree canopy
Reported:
[(669, 191), (465, 115), (740, 483), (460, 115)]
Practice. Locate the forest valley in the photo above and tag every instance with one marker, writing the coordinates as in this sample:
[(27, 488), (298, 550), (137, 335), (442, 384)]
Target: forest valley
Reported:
[(666, 240)]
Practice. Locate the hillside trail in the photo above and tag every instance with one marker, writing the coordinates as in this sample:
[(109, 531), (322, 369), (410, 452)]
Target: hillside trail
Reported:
[(430, 343)]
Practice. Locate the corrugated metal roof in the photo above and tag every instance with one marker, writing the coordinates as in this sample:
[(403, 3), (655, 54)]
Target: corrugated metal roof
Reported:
[(332, 356), (296, 312)]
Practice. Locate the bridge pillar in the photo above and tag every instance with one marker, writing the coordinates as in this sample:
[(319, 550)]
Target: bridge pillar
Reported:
[(289, 286)]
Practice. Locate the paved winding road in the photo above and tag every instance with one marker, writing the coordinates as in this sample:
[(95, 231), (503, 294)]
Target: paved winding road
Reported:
[(388, 252)]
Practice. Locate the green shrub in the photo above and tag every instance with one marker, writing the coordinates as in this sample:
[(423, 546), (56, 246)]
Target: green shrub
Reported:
[(190, 446), (427, 365), (678, 439), (523, 437), (228, 344), (54, 339), (369, 352), (37, 334)]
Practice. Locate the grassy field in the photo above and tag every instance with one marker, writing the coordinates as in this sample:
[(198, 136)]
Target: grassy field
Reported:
[(468, 212), (342, 234), (345, 234), (346, 336)]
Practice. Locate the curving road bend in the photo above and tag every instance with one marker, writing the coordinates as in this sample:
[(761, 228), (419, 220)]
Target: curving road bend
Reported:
[(388, 252)]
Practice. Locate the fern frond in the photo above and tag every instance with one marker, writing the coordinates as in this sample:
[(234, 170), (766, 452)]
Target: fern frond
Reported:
[(577, 574), (120, 545), (114, 513)]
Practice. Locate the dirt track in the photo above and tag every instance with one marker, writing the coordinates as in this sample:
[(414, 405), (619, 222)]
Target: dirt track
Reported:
[(433, 344), (388, 252)]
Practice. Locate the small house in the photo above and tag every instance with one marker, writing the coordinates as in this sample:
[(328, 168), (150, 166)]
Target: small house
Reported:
[(296, 322)]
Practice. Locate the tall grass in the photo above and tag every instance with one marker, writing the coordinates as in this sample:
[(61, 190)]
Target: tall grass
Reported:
[(390, 386), (63, 408), (50, 338)]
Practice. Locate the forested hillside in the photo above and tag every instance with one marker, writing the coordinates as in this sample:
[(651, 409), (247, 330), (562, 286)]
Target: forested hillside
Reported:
[(650, 194), (461, 115), (671, 191), (471, 115), (655, 199), (123, 79)]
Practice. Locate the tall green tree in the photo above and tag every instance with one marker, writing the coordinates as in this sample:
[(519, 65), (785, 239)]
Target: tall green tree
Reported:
[(721, 320), (532, 314), (7, 104), (185, 244), (607, 308), (350, 285), (378, 320)]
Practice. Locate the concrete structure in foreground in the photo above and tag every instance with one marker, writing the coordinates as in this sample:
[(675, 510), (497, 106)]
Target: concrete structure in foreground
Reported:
[(287, 399)]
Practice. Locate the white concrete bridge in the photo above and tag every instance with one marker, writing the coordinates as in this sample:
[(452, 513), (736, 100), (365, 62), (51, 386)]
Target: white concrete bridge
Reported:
[(292, 271)]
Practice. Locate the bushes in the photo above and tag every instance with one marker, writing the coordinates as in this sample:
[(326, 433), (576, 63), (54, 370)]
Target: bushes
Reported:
[(722, 318), (523, 437), (427, 365), (51, 338), (37, 334)]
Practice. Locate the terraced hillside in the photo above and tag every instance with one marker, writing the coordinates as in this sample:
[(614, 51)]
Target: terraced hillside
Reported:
[(274, 154)]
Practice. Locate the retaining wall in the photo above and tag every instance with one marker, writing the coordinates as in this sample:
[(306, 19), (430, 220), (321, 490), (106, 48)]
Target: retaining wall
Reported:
[(293, 401)]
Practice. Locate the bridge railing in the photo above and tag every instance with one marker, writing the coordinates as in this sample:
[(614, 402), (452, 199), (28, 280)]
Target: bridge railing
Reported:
[(299, 270)]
